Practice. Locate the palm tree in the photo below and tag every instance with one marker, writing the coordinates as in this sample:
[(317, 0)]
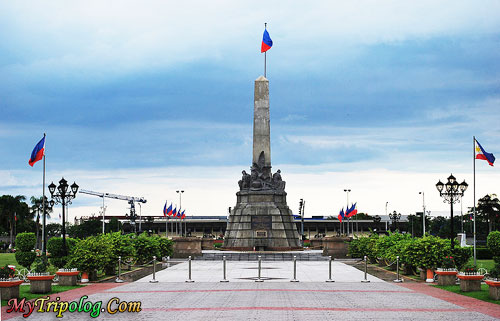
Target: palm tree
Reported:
[(37, 207)]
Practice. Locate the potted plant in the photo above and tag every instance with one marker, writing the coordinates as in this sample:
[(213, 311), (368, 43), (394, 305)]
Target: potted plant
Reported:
[(493, 282), (447, 272), (68, 276), (9, 284), (40, 279), (470, 279)]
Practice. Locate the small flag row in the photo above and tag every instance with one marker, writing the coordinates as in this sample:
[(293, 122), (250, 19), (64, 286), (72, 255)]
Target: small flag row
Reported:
[(173, 212)]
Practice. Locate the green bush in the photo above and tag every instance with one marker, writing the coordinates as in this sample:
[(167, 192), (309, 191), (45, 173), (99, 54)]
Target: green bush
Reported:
[(216, 245), (25, 258), (167, 246), (121, 246), (493, 243), (55, 249), (6, 272), (40, 265), (90, 254), (495, 272), (25, 242), (146, 247), (461, 255), (359, 247)]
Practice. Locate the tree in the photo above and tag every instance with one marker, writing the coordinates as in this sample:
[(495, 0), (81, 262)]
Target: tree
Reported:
[(488, 210), (14, 215), (53, 229), (37, 209)]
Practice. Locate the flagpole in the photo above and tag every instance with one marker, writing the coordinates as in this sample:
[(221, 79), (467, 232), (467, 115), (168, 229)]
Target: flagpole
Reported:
[(43, 201), (474, 169)]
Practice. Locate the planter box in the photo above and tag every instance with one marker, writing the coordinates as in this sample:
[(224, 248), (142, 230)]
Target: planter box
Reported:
[(10, 289), (67, 278), (470, 283), (40, 283), (494, 289), (447, 277)]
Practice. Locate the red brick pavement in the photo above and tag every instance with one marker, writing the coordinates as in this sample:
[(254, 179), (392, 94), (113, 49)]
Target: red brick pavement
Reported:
[(458, 299)]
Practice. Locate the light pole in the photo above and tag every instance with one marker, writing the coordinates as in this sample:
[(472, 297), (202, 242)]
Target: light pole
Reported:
[(302, 204), (140, 217), (63, 197), (395, 217), (386, 215), (452, 192), (180, 207), (423, 213), (347, 191)]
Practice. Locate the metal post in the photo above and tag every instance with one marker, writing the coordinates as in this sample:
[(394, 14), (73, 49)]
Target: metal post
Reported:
[(294, 269), (398, 280), (366, 268), (330, 270), (189, 274), (258, 278), (119, 279), (224, 269), (154, 280)]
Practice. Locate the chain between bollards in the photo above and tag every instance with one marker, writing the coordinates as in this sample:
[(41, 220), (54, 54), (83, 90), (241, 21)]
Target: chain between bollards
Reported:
[(294, 269), (224, 269), (330, 270), (398, 280), (366, 268), (189, 269), (119, 278), (154, 280), (258, 278)]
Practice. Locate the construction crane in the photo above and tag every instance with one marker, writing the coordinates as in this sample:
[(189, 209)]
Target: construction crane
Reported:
[(131, 200)]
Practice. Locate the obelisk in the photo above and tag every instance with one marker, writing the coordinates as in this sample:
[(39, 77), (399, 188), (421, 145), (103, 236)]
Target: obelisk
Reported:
[(261, 124), (261, 219)]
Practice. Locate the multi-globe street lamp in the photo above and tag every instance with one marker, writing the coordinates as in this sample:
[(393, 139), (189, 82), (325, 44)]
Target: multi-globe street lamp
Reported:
[(452, 192), (395, 217), (63, 197)]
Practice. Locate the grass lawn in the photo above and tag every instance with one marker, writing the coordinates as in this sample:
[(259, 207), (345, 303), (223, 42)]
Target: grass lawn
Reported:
[(480, 295), (24, 292), (487, 264), (8, 258)]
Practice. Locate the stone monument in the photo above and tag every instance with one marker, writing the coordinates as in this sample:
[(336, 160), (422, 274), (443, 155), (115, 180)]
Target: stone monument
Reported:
[(261, 219)]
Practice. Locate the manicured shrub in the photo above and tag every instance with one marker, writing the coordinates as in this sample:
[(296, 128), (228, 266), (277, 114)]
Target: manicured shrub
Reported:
[(121, 246), (40, 265), (25, 242), (55, 249), (461, 255), (493, 243), (167, 246)]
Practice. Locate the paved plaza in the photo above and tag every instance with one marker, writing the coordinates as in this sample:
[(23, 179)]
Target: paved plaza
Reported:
[(276, 298)]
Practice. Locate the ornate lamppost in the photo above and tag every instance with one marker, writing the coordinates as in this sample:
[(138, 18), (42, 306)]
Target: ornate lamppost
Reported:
[(395, 217), (452, 192), (63, 197)]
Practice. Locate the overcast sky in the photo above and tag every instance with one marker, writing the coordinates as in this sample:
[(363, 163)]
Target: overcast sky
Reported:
[(143, 98)]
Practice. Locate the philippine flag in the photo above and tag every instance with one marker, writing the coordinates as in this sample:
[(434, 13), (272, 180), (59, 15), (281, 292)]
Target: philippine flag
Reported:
[(341, 215), (267, 43), (352, 211), (174, 212), (165, 209), (183, 215), (38, 152), (482, 154), (179, 213), (169, 210)]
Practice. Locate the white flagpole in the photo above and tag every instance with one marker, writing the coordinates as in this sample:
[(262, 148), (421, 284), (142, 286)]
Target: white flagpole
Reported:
[(474, 169), (43, 200)]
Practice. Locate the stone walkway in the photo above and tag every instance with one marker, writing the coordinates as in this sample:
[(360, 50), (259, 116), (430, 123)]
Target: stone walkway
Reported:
[(276, 298)]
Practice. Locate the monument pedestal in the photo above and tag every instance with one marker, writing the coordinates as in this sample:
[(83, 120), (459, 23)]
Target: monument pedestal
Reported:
[(261, 220)]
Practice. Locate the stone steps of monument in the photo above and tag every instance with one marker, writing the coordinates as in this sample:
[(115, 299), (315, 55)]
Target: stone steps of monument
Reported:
[(265, 256)]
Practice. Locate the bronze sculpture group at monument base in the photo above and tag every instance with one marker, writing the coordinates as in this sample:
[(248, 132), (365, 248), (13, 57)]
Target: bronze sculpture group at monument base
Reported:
[(261, 219)]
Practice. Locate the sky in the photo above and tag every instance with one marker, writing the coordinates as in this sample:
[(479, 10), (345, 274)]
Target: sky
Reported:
[(143, 98)]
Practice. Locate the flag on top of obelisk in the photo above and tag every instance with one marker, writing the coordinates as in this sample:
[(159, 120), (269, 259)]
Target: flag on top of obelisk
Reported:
[(482, 154), (38, 152), (267, 43)]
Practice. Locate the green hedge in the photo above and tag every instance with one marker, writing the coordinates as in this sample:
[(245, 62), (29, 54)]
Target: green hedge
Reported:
[(55, 249), (25, 244), (493, 242)]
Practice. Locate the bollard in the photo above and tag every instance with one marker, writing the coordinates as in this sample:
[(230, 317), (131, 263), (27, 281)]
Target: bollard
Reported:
[(258, 278), (119, 278), (224, 269), (366, 268), (294, 269), (189, 269), (154, 280), (398, 280), (330, 271)]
